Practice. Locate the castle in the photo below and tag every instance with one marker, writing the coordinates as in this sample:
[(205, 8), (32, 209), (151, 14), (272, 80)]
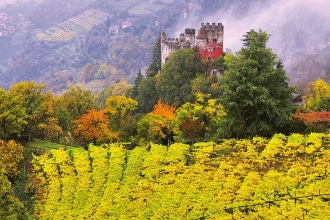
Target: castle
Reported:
[(208, 42)]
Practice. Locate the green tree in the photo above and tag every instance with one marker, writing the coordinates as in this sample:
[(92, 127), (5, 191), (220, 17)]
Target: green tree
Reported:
[(198, 120), (118, 89), (156, 63), (121, 88), (13, 116), (33, 96), (49, 127), (219, 65), (147, 95), (133, 92), (257, 98), (154, 128), (73, 104), (10, 206), (174, 83), (120, 110), (206, 85)]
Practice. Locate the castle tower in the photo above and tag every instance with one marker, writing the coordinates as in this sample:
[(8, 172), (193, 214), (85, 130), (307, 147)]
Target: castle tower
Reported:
[(164, 47), (189, 34), (210, 41), (169, 45)]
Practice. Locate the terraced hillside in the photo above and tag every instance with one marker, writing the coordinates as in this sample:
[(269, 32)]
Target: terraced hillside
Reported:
[(78, 25), (66, 36)]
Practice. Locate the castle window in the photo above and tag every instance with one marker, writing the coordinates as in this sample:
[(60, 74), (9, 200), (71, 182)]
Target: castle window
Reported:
[(214, 40)]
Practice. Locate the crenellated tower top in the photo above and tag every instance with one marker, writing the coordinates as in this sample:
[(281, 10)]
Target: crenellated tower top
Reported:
[(208, 41)]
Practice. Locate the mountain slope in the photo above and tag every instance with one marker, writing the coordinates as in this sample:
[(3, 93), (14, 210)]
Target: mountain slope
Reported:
[(56, 41)]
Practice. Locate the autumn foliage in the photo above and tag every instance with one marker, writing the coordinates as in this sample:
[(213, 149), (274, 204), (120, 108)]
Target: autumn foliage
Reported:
[(164, 109), (94, 127), (191, 129), (285, 177), (11, 153), (313, 117)]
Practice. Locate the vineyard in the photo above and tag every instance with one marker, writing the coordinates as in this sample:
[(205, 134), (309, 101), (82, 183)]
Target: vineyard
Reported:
[(285, 177), (68, 29)]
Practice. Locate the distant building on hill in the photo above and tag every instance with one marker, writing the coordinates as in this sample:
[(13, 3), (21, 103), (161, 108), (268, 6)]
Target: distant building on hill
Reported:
[(208, 42)]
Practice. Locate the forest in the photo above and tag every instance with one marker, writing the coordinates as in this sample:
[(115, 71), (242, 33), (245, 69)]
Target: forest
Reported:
[(180, 143)]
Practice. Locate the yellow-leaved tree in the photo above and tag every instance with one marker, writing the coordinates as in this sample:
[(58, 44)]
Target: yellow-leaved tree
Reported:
[(198, 120), (120, 111), (317, 96), (11, 153), (156, 126)]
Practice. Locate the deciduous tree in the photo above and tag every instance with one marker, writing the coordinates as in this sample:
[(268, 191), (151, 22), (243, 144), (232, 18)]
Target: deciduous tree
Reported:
[(73, 104), (13, 116), (10, 206), (164, 109), (11, 154), (174, 82), (200, 119), (317, 96), (154, 128), (93, 127), (33, 97), (120, 110)]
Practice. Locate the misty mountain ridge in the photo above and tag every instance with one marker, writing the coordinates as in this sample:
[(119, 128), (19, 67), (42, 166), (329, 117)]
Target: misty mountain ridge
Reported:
[(97, 43)]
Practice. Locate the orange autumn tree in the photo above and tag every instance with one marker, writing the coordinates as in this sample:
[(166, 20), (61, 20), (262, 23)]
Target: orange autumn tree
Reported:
[(314, 121), (157, 125), (313, 117), (164, 109), (94, 127)]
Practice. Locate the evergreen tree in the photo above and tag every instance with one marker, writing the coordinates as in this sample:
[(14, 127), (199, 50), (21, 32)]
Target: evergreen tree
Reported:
[(257, 98), (147, 95), (144, 90), (156, 63), (133, 92)]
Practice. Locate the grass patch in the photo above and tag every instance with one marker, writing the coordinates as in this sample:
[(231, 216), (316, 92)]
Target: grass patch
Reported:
[(38, 146)]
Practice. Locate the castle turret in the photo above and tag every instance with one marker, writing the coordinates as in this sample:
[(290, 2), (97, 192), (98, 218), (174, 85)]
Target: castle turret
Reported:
[(190, 36), (210, 41)]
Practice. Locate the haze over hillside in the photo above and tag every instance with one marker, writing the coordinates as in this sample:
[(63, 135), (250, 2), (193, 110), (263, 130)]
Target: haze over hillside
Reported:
[(67, 42), (4, 3), (7, 2), (299, 29)]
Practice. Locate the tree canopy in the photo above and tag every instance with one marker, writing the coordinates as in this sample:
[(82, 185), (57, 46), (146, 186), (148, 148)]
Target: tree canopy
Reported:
[(257, 98), (174, 82), (317, 96)]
